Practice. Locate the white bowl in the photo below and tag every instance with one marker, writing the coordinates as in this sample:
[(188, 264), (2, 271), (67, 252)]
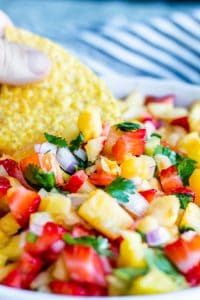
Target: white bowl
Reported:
[(121, 86)]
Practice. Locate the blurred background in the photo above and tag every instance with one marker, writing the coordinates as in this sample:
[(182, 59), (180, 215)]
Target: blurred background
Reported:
[(105, 33)]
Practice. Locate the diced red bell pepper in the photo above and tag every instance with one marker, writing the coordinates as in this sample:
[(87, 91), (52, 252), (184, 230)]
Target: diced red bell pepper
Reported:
[(4, 186), (162, 99), (101, 178), (185, 190), (22, 203), (75, 182), (73, 288), (130, 142), (170, 179), (84, 265), (43, 246), (184, 254), (182, 121), (149, 195)]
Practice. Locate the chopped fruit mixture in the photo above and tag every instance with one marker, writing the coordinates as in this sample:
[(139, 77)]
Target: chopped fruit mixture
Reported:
[(112, 212)]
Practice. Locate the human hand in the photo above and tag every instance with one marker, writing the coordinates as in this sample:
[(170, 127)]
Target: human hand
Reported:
[(20, 65)]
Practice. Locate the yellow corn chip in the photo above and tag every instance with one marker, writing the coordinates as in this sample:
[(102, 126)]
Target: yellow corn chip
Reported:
[(53, 104)]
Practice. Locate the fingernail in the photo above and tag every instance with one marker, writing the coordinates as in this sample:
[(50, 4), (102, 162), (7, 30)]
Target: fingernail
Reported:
[(38, 62)]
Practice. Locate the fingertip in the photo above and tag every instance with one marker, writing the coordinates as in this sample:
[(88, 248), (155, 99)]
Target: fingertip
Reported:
[(38, 63)]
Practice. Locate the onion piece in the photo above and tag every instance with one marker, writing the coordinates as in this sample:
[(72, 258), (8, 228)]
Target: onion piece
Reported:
[(80, 153), (158, 237), (66, 159), (77, 199), (3, 171), (136, 205), (45, 147)]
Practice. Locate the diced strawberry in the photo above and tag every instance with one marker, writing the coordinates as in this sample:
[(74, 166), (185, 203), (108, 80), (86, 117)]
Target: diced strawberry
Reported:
[(130, 142), (101, 178), (149, 195), (157, 123), (182, 121), (79, 230), (185, 190), (43, 246), (4, 186), (162, 99), (22, 203), (106, 264), (75, 182), (193, 276), (84, 265), (13, 279), (184, 254), (170, 179)]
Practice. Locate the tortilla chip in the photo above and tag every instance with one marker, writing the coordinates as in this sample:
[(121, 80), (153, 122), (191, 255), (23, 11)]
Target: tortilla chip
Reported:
[(53, 104)]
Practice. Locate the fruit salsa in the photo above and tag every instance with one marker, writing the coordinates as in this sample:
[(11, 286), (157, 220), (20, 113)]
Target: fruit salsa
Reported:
[(114, 211)]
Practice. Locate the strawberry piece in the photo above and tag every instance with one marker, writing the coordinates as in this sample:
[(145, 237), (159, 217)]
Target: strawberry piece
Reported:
[(149, 195), (193, 276), (4, 186), (84, 265), (79, 230), (182, 122), (170, 179), (130, 142), (75, 182), (157, 123), (13, 170), (22, 203), (184, 254), (185, 190), (43, 246), (101, 178), (163, 99), (13, 279)]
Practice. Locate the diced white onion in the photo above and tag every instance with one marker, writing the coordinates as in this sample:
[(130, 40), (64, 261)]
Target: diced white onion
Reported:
[(66, 159), (36, 229), (81, 154), (45, 147), (77, 199), (3, 171), (137, 204), (158, 237), (188, 235), (150, 128)]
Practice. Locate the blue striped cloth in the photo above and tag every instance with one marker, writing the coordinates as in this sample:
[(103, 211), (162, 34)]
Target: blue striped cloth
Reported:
[(160, 47)]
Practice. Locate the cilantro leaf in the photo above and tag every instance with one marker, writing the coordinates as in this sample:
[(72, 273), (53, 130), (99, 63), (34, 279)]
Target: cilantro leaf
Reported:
[(31, 237), (128, 126), (185, 167), (127, 274), (120, 188), (100, 244), (156, 135), (58, 141), (158, 259), (167, 152), (39, 178), (76, 143), (184, 199), (185, 228)]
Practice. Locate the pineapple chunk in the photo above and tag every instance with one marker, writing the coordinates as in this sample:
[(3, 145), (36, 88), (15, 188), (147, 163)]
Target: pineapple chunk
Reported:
[(162, 161), (191, 217), (190, 145), (194, 117), (147, 224), (172, 134), (41, 280), (131, 250), (137, 166), (109, 166), (12, 250), (116, 286), (9, 225), (195, 185), (105, 214), (159, 110), (154, 282), (151, 145), (165, 209), (5, 270), (94, 147), (3, 239), (87, 187), (89, 123), (133, 106), (59, 271), (3, 260)]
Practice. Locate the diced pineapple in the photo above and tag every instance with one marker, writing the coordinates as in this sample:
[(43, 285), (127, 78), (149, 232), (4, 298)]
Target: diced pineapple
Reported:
[(145, 185), (105, 214), (147, 224), (137, 166), (3, 239), (87, 187), (154, 282), (195, 185), (116, 286), (165, 209), (133, 106), (109, 166), (162, 161), (190, 145), (12, 250), (5, 270), (89, 123), (59, 271), (131, 250), (172, 134), (175, 113), (155, 184), (194, 117), (3, 260), (94, 147), (151, 145), (159, 110), (8, 224), (191, 217), (14, 182), (41, 280)]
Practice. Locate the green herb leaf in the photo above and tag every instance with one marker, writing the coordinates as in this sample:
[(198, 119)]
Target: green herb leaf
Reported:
[(39, 178), (158, 259), (186, 228), (184, 199), (185, 167), (127, 274), (167, 152), (128, 126), (142, 234), (58, 141), (31, 237), (156, 135), (100, 244), (120, 189), (77, 142)]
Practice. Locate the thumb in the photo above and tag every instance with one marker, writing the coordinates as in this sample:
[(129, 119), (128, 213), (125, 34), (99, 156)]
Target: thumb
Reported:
[(20, 65)]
